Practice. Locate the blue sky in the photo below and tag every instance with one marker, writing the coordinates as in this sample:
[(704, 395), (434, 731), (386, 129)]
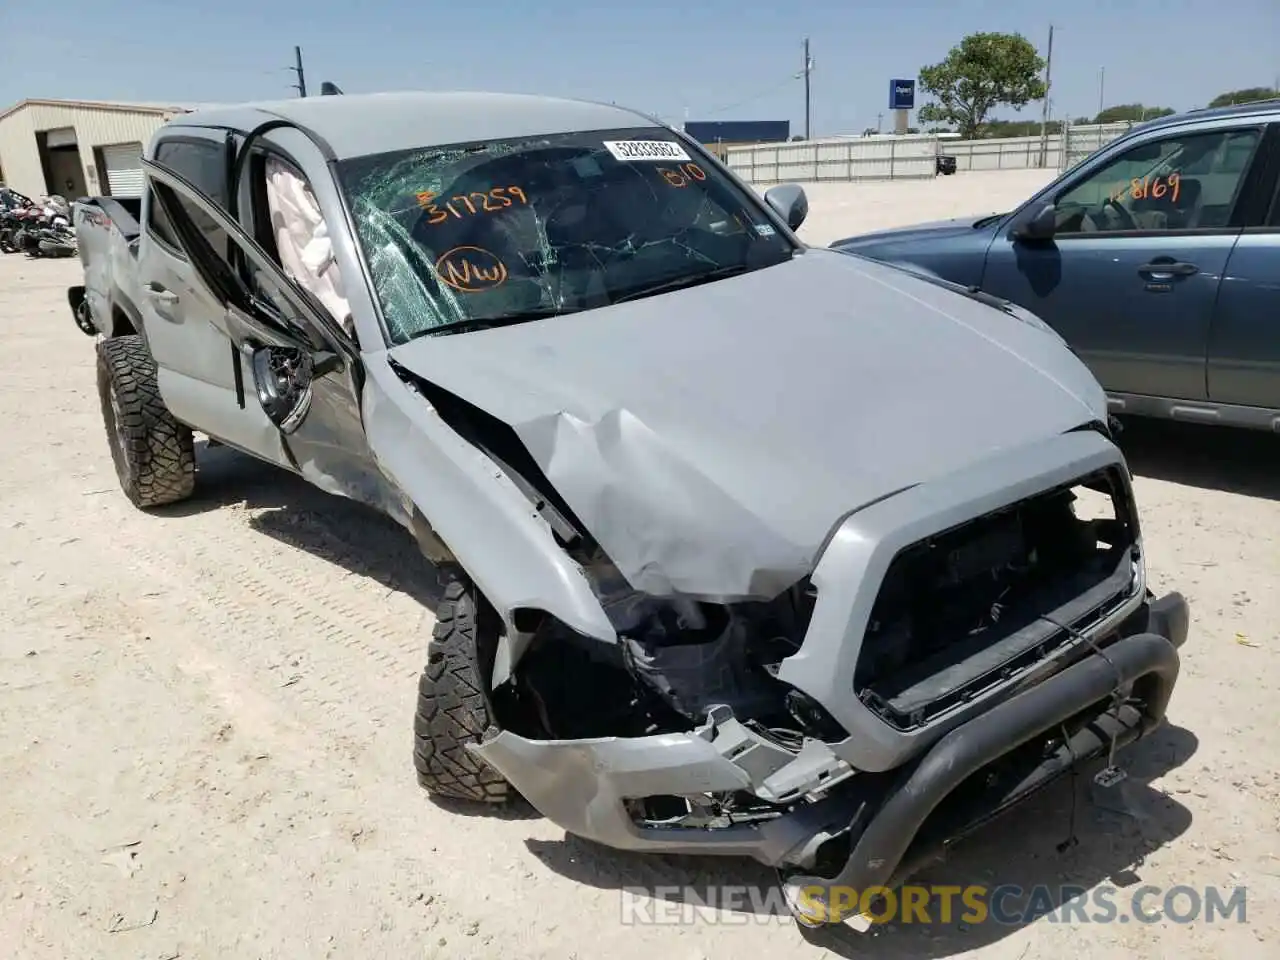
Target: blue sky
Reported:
[(714, 59)]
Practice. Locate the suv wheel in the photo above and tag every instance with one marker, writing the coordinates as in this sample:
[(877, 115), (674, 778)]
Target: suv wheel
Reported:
[(453, 707), (154, 455)]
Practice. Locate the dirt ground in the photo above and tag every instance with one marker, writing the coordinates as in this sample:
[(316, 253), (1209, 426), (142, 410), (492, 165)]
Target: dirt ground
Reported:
[(205, 713)]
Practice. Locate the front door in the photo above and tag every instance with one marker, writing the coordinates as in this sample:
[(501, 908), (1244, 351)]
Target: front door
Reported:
[(193, 355), (1132, 272), (298, 367)]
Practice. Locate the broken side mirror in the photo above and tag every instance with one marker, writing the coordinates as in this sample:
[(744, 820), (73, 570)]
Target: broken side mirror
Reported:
[(1041, 226), (282, 379), (789, 202)]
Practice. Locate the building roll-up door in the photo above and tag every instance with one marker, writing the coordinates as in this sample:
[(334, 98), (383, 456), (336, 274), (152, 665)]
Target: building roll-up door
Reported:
[(61, 137), (122, 163)]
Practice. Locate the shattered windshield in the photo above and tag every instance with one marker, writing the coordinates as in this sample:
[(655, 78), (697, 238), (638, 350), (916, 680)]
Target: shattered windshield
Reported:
[(477, 235)]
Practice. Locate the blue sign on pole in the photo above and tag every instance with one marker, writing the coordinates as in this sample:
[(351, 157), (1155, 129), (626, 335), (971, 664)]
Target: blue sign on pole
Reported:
[(902, 94)]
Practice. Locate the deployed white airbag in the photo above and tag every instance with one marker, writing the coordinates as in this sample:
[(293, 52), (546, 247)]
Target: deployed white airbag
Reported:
[(302, 239)]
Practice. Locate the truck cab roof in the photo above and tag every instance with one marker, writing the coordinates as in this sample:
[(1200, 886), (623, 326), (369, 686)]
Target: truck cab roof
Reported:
[(354, 125)]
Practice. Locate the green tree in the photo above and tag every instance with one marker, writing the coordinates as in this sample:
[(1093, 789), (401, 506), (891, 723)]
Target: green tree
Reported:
[(984, 71), (1132, 112), (1248, 95)]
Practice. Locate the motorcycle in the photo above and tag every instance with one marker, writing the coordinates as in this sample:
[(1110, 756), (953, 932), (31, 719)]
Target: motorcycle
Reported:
[(27, 222), (57, 241), (10, 224), (45, 230), (13, 207)]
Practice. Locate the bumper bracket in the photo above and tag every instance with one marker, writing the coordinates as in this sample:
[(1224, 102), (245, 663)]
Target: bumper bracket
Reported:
[(893, 845)]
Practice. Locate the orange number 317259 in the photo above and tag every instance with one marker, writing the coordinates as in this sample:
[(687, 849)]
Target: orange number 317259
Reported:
[(469, 204)]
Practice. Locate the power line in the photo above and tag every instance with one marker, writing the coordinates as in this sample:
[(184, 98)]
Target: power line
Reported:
[(1044, 115), (808, 69), (752, 99), (301, 85), (774, 88)]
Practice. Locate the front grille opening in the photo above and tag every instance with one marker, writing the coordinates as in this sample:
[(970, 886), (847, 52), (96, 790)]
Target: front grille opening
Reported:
[(963, 611)]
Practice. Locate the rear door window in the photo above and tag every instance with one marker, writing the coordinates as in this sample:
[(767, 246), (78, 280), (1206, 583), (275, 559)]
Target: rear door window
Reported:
[(203, 164)]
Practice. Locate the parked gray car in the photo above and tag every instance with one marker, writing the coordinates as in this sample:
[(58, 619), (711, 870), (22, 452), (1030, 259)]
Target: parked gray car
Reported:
[(751, 549), (1156, 258)]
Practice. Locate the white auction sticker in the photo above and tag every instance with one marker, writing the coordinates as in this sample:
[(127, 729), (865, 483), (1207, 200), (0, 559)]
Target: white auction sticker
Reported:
[(646, 150)]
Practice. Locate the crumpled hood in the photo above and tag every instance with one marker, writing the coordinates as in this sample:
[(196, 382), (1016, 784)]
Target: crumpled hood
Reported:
[(932, 230), (710, 438)]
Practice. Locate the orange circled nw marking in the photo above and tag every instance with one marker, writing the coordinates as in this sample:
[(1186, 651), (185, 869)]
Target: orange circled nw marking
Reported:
[(471, 269)]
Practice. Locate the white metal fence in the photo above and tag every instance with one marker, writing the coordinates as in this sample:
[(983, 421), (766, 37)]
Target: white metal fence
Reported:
[(870, 158), (1085, 139), (912, 156), (1060, 150)]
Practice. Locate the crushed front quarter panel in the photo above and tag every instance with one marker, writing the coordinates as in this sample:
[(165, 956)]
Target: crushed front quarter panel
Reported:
[(487, 523)]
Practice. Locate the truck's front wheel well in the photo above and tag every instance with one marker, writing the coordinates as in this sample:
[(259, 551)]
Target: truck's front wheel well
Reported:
[(121, 323)]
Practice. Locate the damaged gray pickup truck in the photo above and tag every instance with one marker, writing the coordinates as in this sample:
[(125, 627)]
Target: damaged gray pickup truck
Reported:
[(751, 548)]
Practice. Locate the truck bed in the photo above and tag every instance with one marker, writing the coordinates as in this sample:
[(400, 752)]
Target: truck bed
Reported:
[(122, 212), (107, 230)]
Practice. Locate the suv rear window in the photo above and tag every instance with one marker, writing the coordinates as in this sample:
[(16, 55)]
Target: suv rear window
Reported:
[(203, 163)]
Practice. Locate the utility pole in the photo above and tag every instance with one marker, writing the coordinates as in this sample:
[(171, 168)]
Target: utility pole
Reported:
[(1102, 82), (808, 69), (1044, 114), (301, 85)]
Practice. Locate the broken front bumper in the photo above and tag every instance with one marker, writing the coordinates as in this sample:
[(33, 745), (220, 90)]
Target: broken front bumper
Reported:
[(582, 785)]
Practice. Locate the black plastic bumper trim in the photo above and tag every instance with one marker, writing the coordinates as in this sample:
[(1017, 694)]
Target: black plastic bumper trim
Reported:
[(1147, 660), (1170, 617)]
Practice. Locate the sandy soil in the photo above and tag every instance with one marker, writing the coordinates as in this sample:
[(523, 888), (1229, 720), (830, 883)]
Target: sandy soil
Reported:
[(206, 713)]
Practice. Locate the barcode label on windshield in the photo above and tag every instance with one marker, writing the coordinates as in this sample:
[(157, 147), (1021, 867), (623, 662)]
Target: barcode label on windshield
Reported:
[(646, 150)]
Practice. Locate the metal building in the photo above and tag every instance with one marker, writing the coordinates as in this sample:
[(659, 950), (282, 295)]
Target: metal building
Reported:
[(78, 148), (719, 135)]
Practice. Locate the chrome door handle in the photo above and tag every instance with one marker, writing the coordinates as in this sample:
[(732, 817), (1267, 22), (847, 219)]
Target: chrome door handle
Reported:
[(1167, 268)]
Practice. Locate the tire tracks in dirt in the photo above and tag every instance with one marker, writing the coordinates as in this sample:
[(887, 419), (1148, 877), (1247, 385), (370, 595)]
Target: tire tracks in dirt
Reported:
[(265, 611)]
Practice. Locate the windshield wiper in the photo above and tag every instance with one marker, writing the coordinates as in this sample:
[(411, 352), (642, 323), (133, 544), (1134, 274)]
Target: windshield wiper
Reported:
[(486, 323), (688, 280)]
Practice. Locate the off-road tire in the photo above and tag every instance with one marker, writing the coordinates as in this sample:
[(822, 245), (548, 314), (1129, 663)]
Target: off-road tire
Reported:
[(154, 454), (453, 708)]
